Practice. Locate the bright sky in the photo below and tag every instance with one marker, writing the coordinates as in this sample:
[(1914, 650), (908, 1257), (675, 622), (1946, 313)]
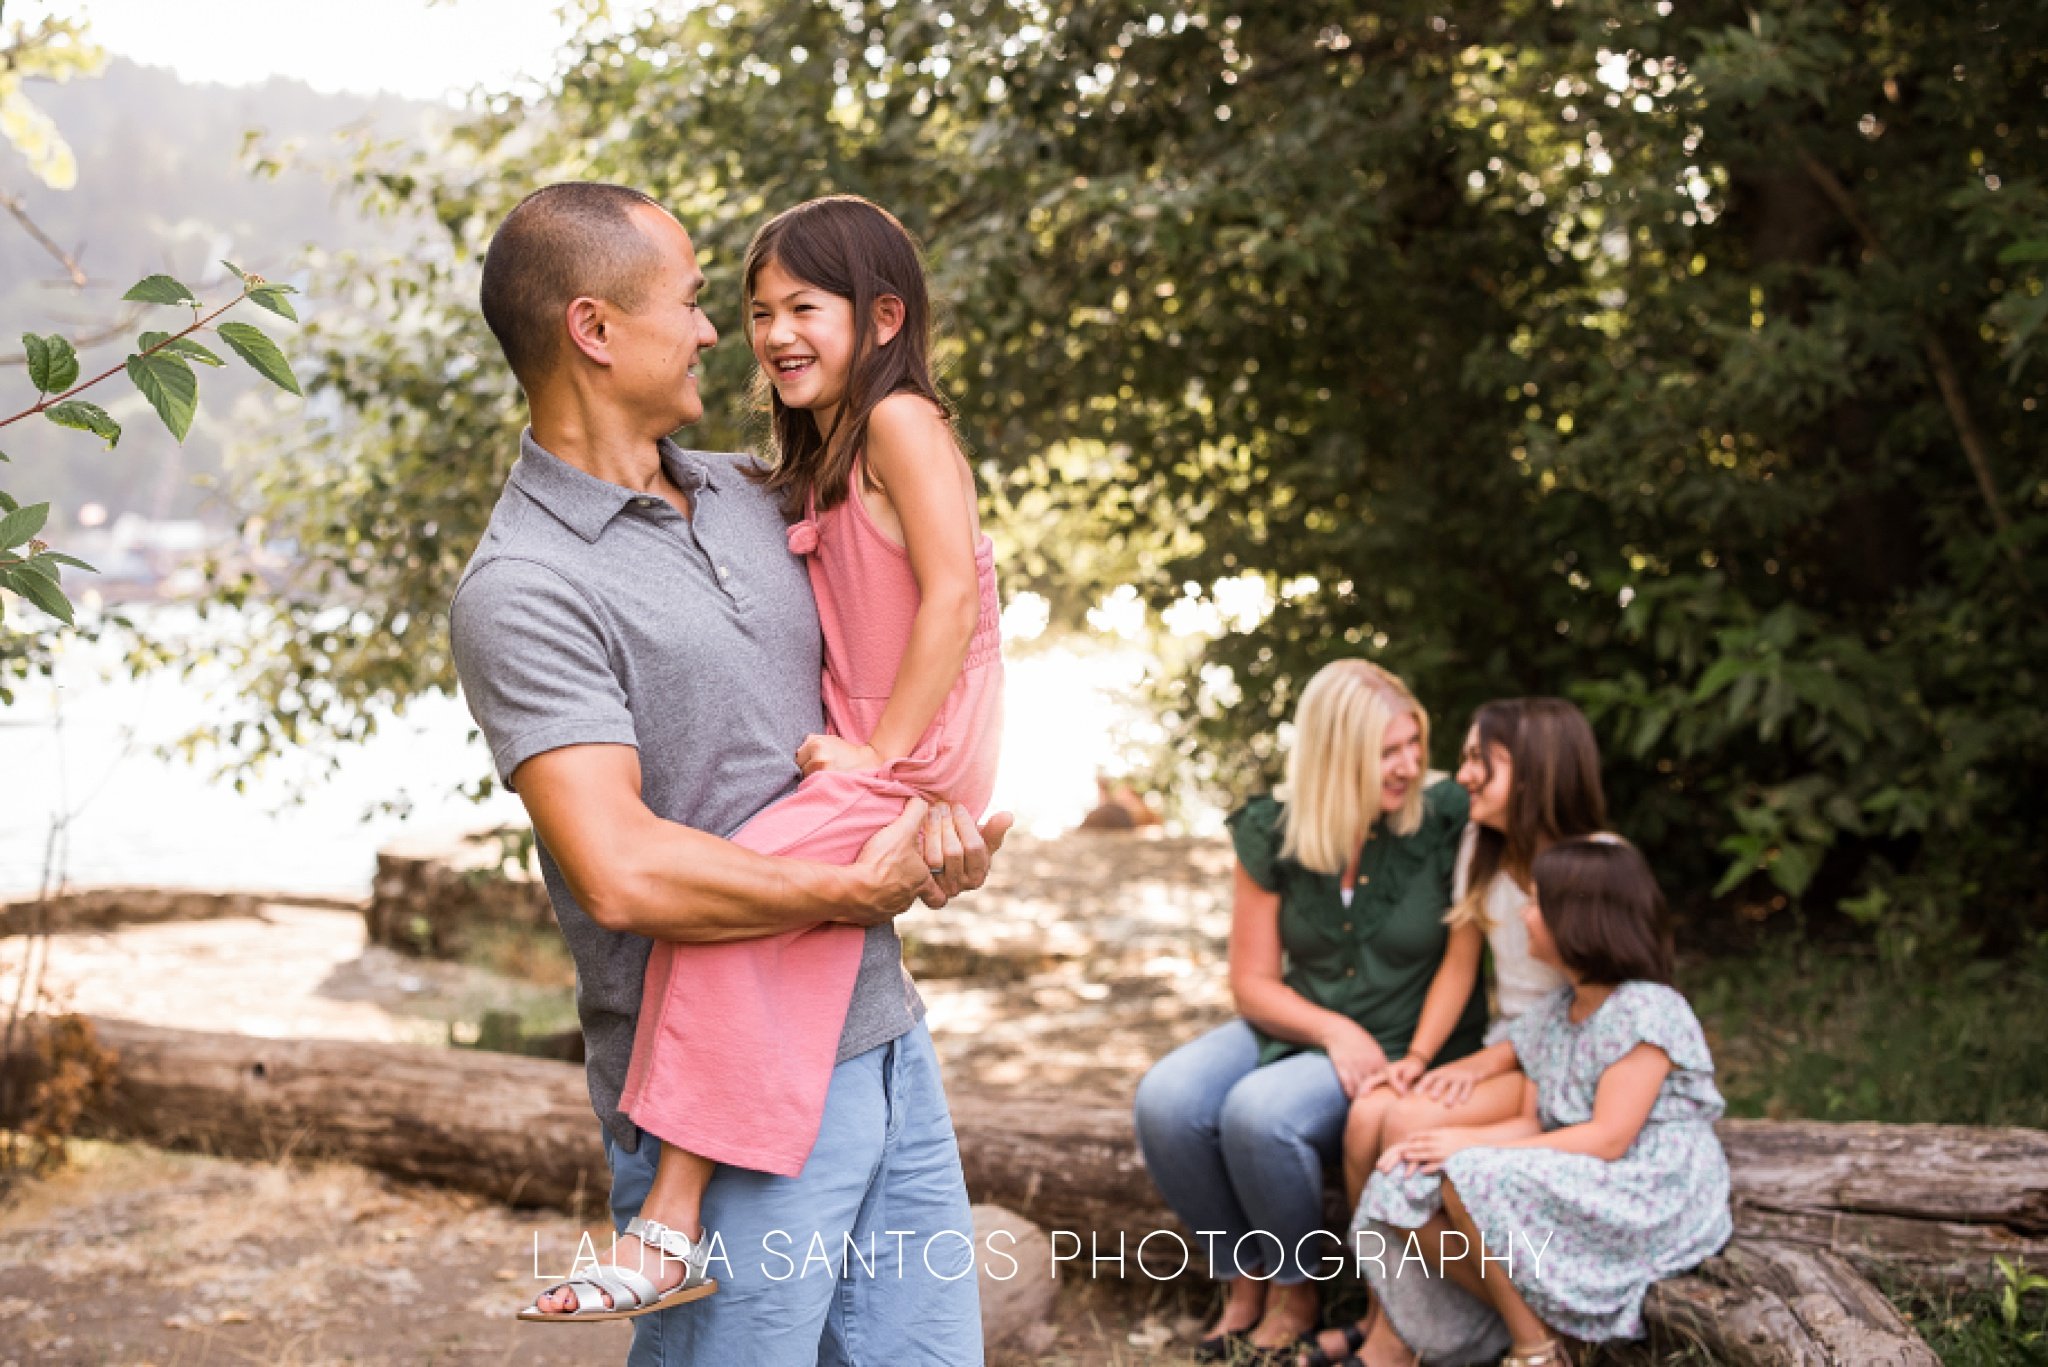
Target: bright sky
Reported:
[(407, 47)]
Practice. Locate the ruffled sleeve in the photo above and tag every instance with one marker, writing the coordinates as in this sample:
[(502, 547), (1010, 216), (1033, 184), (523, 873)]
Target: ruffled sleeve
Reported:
[(1651, 1013), (1255, 834)]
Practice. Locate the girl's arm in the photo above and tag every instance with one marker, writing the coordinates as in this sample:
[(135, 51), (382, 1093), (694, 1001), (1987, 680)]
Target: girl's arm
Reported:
[(1621, 1105), (1449, 990), (1264, 998), (911, 451)]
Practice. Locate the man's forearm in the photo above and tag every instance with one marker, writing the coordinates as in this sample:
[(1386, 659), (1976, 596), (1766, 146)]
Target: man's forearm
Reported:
[(670, 882)]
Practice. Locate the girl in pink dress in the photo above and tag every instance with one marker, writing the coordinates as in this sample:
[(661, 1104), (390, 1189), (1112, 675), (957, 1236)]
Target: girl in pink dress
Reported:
[(736, 1042)]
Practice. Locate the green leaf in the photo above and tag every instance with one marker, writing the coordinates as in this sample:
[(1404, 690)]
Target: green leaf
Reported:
[(2034, 250), (73, 561), (160, 289), (19, 526), (85, 417), (7, 503), (42, 593), (272, 297), (240, 274), (171, 388), (179, 346), (52, 364), (262, 354)]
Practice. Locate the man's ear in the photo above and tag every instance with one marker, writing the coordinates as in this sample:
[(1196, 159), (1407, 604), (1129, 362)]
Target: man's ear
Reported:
[(888, 319), (589, 323)]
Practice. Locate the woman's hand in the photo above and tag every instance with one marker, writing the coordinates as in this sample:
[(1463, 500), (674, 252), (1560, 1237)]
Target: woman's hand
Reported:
[(1452, 1084), (818, 753), (1356, 1055), (1426, 1151)]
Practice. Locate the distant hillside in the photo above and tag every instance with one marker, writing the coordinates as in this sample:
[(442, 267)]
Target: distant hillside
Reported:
[(161, 187)]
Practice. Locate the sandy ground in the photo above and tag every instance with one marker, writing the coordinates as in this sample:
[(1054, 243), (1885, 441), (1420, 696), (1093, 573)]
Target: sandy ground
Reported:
[(1086, 962)]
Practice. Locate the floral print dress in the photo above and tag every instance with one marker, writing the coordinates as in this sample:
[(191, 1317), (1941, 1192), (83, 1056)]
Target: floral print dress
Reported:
[(1588, 1236)]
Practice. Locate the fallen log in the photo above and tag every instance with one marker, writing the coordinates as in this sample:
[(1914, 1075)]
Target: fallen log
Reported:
[(1777, 1304), (1817, 1206)]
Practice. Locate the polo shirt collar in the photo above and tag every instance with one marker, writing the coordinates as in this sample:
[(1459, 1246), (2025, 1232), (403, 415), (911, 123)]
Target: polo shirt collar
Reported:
[(586, 504)]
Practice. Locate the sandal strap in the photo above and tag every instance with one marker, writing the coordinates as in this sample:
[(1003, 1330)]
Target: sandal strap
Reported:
[(1549, 1353), (693, 1254)]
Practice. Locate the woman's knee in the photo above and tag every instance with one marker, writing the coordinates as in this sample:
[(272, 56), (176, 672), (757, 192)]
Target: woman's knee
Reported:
[(1175, 1096)]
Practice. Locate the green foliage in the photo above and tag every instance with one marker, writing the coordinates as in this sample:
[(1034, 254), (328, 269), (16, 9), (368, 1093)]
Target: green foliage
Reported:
[(1920, 1029), (170, 386), (1677, 362), (161, 371), (52, 364), (81, 416), (161, 289), (248, 342)]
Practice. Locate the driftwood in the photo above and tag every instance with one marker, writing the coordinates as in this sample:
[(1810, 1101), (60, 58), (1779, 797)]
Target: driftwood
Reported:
[(1817, 1207)]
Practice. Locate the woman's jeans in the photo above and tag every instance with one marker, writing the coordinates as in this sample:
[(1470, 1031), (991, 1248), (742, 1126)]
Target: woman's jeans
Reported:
[(1238, 1151)]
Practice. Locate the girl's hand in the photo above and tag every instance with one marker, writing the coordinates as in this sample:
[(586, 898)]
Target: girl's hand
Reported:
[(1402, 1072), (1357, 1057), (1426, 1151), (818, 753), (1452, 1084)]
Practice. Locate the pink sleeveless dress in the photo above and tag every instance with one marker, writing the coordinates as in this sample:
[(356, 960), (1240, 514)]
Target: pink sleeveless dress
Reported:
[(735, 1043)]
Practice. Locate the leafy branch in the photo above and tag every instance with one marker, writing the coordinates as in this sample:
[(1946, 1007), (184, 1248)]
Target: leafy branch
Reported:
[(161, 369)]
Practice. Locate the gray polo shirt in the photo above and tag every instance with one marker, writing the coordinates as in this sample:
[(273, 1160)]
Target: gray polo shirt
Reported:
[(592, 615)]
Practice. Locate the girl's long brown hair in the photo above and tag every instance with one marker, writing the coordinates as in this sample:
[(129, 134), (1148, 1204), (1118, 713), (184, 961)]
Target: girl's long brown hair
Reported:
[(1554, 791), (847, 246)]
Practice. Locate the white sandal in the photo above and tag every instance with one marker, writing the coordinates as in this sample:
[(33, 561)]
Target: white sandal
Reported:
[(631, 1293), (1549, 1353)]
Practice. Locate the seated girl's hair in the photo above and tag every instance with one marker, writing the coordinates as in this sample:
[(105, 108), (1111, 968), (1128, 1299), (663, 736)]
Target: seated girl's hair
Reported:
[(1554, 791), (1604, 910), (848, 246)]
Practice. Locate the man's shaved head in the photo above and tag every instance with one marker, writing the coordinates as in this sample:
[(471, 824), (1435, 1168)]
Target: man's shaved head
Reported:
[(562, 242)]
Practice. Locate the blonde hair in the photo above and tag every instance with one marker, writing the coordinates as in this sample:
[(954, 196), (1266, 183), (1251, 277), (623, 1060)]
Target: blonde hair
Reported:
[(1333, 771)]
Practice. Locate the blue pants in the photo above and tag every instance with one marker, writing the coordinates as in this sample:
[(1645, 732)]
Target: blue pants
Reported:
[(1238, 1151), (864, 1259)]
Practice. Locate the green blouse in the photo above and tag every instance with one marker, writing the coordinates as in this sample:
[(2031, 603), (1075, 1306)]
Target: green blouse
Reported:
[(1373, 960)]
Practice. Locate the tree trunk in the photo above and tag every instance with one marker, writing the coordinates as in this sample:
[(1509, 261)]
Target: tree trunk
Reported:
[(1815, 1205)]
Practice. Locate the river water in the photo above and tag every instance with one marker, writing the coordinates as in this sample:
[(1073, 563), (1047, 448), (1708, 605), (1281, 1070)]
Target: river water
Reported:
[(80, 756)]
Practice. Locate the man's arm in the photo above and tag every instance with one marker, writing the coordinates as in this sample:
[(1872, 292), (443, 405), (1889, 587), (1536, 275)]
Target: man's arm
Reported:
[(631, 870)]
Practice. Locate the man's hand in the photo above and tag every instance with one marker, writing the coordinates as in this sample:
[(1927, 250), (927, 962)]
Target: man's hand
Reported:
[(890, 873), (956, 853)]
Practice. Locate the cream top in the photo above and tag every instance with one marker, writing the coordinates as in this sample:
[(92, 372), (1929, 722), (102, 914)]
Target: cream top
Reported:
[(1519, 981)]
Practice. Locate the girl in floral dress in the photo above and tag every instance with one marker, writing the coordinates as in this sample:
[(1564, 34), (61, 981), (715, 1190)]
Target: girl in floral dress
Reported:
[(1610, 1179)]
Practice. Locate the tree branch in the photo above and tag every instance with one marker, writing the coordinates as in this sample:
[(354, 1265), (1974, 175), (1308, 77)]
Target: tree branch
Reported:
[(14, 206)]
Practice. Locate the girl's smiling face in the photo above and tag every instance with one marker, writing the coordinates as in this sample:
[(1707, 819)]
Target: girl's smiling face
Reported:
[(803, 338), (1488, 775)]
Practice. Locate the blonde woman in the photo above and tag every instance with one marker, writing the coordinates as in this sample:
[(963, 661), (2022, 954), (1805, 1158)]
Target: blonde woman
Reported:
[(1337, 932)]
